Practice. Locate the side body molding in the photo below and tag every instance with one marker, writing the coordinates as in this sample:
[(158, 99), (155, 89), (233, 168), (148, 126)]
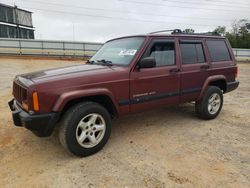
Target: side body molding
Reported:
[(208, 81), (68, 96)]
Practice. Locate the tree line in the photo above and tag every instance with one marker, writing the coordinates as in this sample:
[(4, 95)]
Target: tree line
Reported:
[(238, 36)]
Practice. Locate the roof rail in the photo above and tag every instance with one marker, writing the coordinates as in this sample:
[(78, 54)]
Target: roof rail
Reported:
[(179, 31), (206, 33), (174, 31)]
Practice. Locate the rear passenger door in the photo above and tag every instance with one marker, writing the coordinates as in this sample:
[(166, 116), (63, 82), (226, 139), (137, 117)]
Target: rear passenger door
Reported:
[(194, 68)]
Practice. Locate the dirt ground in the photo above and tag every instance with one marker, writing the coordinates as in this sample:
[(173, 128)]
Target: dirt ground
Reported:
[(168, 147)]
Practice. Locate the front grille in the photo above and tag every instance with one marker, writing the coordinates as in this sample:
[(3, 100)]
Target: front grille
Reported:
[(19, 92)]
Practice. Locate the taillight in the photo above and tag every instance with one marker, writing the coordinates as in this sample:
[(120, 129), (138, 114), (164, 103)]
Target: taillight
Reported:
[(236, 72), (35, 101)]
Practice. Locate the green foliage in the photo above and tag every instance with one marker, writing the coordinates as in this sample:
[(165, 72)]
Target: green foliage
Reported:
[(239, 36), (221, 30)]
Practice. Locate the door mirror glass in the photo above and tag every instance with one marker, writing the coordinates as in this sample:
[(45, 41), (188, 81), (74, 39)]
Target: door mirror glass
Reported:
[(147, 62)]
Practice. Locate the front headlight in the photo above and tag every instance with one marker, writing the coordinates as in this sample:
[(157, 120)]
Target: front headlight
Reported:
[(25, 105)]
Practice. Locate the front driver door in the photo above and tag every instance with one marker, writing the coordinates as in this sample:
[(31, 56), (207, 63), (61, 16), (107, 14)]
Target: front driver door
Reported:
[(157, 86)]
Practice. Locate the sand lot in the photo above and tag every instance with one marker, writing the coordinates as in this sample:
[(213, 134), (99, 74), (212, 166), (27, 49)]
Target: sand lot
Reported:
[(168, 147)]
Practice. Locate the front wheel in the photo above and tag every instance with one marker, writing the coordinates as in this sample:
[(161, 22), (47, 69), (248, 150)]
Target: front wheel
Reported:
[(85, 129), (211, 103)]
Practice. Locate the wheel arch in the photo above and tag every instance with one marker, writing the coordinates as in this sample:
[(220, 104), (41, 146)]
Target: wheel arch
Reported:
[(100, 96), (217, 80)]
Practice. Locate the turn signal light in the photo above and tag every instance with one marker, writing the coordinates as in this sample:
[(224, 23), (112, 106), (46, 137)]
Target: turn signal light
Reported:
[(35, 101)]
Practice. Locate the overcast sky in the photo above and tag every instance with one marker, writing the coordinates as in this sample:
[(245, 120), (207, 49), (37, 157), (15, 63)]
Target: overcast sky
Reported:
[(101, 20)]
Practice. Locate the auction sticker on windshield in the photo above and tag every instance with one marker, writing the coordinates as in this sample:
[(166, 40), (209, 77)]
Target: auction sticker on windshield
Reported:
[(127, 52)]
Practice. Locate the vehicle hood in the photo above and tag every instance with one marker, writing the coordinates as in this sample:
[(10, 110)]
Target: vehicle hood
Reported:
[(77, 76), (63, 71), (69, 71)]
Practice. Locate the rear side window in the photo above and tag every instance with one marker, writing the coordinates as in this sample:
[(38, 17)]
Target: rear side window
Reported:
[(218, 50), (192, 52)]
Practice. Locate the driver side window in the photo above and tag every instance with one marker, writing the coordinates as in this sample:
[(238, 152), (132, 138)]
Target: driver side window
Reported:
[(163, 52)]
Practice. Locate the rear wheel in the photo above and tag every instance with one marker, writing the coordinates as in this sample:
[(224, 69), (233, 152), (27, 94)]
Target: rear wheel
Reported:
[(85, 128), (211, 103)]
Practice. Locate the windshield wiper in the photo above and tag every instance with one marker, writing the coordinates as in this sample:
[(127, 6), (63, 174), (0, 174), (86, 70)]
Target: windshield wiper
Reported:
[(90, 62), (106, 62)]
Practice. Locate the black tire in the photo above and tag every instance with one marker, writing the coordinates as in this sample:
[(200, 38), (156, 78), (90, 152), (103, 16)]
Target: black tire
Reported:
[(201, 106), (69, 126)]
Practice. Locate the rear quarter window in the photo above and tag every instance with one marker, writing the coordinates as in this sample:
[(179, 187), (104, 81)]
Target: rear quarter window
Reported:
[(218, 50)]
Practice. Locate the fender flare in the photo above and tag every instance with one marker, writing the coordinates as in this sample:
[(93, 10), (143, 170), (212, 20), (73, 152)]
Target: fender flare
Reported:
[(208, 81), (71, 95)]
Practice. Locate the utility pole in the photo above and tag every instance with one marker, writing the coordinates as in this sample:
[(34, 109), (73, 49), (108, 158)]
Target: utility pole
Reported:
[(17, 21)]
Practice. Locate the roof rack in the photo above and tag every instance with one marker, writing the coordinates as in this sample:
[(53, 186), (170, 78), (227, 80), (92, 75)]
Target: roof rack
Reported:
[(179, 31), (174, 31), (206, 33)]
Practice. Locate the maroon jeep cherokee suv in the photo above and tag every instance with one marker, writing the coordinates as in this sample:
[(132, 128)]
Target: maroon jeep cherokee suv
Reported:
[(127, 75)]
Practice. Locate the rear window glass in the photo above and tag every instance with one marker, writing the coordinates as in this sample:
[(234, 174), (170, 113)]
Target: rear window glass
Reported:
[(218, 50), (192, 53)]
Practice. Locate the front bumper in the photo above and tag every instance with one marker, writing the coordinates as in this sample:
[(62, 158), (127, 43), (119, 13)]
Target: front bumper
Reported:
[(42, 124)]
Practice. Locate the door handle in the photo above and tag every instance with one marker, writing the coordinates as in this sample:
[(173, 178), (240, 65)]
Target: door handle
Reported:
[(204, 67), (175, 70)]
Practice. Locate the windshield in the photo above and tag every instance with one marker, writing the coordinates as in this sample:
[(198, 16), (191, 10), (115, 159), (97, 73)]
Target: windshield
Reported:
[(118, 52)]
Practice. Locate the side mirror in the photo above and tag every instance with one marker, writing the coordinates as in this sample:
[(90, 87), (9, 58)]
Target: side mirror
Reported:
[(147, 62)]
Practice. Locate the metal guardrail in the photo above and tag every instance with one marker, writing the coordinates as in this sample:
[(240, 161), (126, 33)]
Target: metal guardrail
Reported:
[(242, 54), (68, 48), (47, 47)]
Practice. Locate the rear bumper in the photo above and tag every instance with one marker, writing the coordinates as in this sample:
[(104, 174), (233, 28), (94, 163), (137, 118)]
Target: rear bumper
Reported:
[(42, 125), (232, 86)]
